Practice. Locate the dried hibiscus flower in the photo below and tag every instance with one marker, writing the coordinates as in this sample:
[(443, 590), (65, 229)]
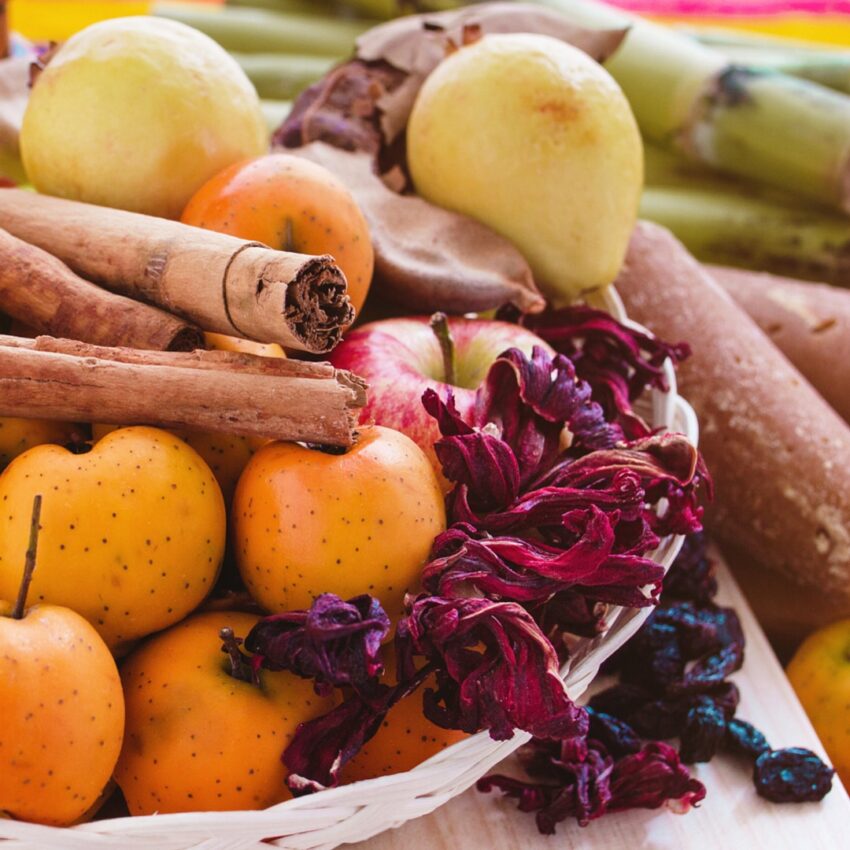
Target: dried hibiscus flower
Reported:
[(495, 669), (583, 779), (619, 362), (335, 643)]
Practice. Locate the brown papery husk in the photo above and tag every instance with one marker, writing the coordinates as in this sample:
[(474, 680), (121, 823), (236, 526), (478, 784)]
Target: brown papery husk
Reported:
[(778, 453), (220, 391), (40, 291), (416, 44), (808, 322), (219, 282), (428, 258)]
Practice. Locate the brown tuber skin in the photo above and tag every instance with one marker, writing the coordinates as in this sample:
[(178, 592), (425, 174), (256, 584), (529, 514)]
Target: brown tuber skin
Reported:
[(779, 454)]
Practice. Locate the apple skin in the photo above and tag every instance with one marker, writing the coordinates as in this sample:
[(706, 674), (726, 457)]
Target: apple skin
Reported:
[(401, 358)]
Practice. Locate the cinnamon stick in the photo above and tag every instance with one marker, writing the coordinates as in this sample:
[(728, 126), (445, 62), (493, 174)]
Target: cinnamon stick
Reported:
[(221, 391), (219, 282), (43, 293)]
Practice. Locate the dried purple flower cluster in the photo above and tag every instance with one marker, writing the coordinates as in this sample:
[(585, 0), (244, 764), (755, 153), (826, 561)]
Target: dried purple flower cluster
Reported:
[(672, 685), (551, 518)]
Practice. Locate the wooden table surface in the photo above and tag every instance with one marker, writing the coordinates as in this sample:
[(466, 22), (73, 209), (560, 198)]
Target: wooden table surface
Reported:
[(732, 817)]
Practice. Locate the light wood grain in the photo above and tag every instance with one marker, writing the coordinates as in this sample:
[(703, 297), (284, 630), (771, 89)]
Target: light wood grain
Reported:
[(732, 817)]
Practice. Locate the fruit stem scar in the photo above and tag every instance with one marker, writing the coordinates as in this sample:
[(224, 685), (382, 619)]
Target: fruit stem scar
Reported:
[(240, 667), (29, 562), (440, 326)]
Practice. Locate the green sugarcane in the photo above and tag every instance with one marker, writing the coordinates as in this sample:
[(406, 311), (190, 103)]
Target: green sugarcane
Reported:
[(767, 126), (283, 76), (826, 66), (262, 31), (383, 10), (727, 228), (288, 7)]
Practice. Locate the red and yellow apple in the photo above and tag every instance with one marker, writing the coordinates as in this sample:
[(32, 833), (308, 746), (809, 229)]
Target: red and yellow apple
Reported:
[(401, 358)]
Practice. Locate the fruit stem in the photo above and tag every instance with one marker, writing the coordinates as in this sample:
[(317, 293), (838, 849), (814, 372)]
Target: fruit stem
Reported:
[(240, 667), (29, 562), (440, 326)]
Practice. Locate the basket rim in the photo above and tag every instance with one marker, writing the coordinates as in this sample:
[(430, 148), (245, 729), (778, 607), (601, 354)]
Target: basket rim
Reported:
[(333, 816)]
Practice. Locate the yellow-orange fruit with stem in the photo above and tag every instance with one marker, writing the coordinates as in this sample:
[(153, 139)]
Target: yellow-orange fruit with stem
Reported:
[(307, 521), (291, 204), (133, 531), (61, 704), (199, 739)]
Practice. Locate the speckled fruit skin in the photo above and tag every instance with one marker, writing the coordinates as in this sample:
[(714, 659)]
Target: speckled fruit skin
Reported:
[(535, 139), (132, 532), (306, 522), (137, 113), (62, 713), (406, 737), (820, 675), (225, 454), (292, 204), (18, 435), (197, 739)]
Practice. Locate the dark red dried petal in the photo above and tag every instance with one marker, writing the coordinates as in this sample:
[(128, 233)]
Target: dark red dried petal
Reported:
[(618, 361), (525, 571), (792, 775), (335, 643), (652, 777), (495, 669)]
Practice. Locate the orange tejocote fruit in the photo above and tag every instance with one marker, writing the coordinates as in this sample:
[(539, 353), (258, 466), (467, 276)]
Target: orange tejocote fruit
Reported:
[(133, 531), (291, 204), (199, 739), (62, 710), (18, 435), (307, 521)]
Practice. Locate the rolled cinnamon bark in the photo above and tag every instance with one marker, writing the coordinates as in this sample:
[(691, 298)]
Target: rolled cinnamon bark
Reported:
[(808, 322), (779, 454), (219, 282), (219, 391), (43, 293)]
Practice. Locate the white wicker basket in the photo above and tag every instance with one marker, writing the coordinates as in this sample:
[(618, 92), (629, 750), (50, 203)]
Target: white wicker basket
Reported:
[(363, 809)]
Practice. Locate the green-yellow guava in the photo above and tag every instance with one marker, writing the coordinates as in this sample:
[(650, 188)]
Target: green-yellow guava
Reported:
[(535, 139), (137, 113)]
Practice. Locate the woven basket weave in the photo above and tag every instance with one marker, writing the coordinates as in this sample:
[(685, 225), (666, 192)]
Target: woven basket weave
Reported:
[(363, 809)]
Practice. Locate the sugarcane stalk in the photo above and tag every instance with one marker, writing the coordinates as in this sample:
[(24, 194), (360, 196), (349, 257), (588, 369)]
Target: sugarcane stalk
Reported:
[(282, 76), (727, 228), (262, 31), (828, 67), (383, 10), (298, 7), (770, 127)]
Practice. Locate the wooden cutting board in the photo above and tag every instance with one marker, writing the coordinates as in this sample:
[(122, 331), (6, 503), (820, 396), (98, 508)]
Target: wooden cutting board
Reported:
[(732, 817)]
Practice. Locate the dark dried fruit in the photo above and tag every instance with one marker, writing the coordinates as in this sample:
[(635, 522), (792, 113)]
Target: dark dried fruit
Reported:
[(744, 738), (792, 775), (704, 731)]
